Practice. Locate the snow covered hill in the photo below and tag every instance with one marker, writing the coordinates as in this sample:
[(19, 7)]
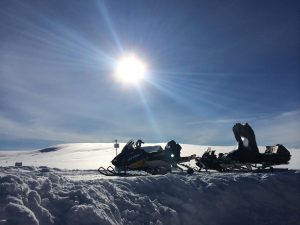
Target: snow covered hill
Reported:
[(59, 185)]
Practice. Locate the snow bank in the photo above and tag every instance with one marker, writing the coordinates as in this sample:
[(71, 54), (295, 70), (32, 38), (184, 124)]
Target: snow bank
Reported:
[(46, 196)]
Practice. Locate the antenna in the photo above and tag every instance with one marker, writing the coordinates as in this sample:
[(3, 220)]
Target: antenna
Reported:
[(116, 146)]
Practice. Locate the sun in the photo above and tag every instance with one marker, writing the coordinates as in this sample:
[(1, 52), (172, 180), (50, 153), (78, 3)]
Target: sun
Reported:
[(130, 69)]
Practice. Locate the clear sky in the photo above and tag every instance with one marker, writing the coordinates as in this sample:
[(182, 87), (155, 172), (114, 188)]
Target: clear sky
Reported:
[(210, 64)]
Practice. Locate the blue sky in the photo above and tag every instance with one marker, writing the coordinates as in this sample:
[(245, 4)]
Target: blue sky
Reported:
[(211, 64)]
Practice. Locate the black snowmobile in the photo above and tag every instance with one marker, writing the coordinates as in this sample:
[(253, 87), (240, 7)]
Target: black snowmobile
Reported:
[(150, 159), (247, 156)]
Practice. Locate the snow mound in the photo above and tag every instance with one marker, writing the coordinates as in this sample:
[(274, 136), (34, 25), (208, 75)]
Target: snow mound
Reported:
[(45, 196)]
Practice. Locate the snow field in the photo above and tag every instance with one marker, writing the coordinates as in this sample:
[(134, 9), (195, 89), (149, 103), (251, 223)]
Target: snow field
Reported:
[(75, 193), (84, 156)]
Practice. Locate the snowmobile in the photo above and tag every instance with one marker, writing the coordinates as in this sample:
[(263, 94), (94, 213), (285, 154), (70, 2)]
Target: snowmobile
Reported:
[(150, 159), (247, 156)]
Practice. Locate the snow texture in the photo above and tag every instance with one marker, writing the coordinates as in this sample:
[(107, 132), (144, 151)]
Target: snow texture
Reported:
[(34, 196)]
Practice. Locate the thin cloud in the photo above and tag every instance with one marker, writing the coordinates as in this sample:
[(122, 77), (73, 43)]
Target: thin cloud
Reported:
[(225, 120), (12, 129), (269, 129)]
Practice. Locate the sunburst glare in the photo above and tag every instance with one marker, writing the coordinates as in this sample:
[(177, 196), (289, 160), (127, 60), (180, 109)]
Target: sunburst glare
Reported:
[(130, 69)]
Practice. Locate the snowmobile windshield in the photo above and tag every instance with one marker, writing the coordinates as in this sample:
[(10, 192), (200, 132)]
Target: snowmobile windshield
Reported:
[(129, 146)]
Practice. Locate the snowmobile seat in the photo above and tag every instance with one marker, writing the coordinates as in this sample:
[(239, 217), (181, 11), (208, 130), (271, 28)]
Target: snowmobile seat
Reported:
[(150, 149)]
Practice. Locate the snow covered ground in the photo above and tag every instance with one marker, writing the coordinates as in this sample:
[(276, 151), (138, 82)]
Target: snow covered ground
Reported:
[(66, 189), (92, 155)]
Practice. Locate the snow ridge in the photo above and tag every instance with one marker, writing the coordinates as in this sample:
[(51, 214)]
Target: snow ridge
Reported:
[(44, 196)]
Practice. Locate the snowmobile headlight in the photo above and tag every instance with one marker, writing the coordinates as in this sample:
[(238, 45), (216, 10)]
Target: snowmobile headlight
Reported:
[(172, 155)]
